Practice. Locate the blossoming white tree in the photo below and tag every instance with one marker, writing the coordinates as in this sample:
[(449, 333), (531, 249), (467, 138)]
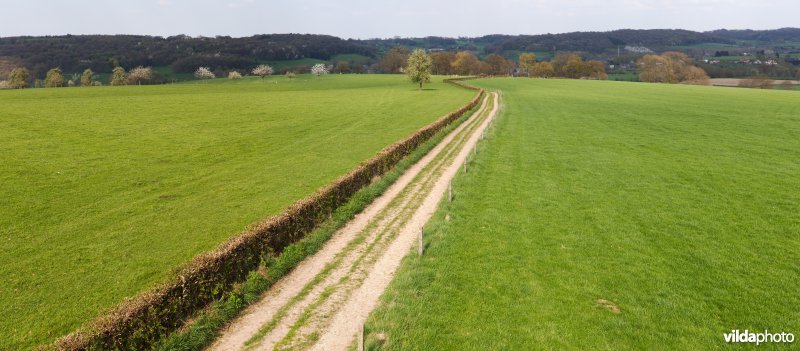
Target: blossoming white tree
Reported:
[(140, 74), (419, 67), (204, 73), (319, 69), (234, 75), (263, 71)]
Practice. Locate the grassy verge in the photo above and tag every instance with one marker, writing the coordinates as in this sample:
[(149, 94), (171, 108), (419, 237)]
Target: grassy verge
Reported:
[(206, 325)]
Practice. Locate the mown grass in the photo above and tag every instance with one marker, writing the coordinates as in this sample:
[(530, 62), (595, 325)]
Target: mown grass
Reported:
[(106, 189), (676, 205)]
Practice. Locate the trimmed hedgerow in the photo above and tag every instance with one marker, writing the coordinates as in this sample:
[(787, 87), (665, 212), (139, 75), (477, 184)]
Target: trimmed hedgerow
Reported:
[(139, 322)]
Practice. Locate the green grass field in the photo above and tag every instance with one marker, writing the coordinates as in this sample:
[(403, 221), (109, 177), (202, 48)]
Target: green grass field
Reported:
[(710, 46), (611, 216), (292, 63), (104, 190), (355, 58), (623, 75)]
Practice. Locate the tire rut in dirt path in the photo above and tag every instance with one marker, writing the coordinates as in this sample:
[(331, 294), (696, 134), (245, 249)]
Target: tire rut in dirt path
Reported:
[(324, 301)]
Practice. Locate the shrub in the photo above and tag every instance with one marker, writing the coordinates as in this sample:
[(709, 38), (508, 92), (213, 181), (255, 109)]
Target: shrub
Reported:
[(204, 73), (756, 83), (18, 79), (263, 71), (87, 78), (118, 76), (54, 78)]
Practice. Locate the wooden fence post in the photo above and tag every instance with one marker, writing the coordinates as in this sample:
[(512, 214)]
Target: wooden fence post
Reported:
[(421, 247), (450, 191), (361, 338)]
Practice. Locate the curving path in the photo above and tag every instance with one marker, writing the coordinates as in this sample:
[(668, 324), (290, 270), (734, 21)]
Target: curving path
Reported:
[(323, 303)]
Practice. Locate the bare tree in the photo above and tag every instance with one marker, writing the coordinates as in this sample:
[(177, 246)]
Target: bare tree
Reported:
[(696, 76), (466, 63), (671, 67), (543, 70), (526, 63), (342, 67), (395, 60), (594, 69), (442, 62)]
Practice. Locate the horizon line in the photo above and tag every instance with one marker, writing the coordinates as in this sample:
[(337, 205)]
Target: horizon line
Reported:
[(383, 38)]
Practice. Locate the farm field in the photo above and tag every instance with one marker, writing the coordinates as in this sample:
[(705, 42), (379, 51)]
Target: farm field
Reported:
[(611, 216), (626, 75), (104, 190), (355, 58)]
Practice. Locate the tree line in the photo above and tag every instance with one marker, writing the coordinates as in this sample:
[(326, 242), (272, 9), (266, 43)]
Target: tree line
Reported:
[(671, 67), (465, 63), (222, 54), (19, 77), (102, 53)]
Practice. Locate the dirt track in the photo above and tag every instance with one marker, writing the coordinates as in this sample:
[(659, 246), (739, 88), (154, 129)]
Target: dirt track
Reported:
[(323, 303)]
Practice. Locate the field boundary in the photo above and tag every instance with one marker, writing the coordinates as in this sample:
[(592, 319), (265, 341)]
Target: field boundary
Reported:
[(141, 321)]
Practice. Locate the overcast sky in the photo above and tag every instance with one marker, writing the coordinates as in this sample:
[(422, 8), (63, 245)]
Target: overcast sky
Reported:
[(375, 18)]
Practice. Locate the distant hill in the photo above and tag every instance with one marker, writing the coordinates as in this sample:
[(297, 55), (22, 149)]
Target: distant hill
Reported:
[(101, 53), (184, 54), (598, 42), (772, 36)]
